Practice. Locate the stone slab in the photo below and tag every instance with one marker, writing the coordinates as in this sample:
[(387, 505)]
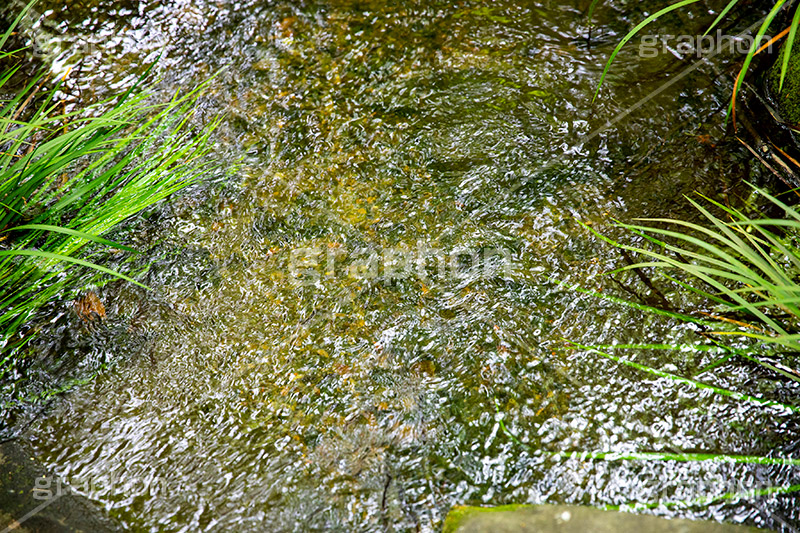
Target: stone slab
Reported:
[(572, 519)]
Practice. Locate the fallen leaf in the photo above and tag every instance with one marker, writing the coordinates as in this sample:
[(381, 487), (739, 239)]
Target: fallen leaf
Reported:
[(90, 308)]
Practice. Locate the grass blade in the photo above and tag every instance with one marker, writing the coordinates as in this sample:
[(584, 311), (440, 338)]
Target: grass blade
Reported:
[(787, 47)]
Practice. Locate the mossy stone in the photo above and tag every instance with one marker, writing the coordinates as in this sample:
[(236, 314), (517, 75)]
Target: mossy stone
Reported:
[(788, 97), (458, 514), (571, 519)]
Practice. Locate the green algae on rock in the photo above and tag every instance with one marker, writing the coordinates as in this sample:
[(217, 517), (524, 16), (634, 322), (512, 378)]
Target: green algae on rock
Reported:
[(571, 519), (788, 98)]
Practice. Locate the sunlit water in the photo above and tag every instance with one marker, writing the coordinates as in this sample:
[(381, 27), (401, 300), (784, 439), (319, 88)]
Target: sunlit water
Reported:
[(342, 321)]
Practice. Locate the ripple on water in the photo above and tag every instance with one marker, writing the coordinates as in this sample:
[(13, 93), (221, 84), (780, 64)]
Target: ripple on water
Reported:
[(349, 397)]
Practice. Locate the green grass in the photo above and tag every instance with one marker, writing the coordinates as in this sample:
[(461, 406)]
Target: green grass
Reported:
[(67, 178), (747, 266)]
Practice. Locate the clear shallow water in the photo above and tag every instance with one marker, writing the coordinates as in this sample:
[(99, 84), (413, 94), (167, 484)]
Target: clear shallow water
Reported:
[(248, 394)]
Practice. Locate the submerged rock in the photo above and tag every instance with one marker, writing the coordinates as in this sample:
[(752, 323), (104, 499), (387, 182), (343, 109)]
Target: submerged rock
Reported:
[(571, 519), (34, 500)]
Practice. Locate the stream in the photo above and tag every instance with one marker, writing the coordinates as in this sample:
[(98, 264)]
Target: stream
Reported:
[(366, 316)]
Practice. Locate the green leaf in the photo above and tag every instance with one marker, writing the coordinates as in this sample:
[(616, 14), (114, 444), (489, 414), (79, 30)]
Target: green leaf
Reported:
[(721, 16), (787, 47), (690, 382), (69, 259), (753, 48), (72, 232), (590, 14)]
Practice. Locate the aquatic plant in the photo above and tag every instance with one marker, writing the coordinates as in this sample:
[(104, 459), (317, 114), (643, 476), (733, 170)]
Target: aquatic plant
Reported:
[(748, 270), (69, 177)]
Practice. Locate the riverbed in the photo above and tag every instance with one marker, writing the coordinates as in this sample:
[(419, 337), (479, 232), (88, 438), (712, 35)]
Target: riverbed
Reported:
[(366, 316)]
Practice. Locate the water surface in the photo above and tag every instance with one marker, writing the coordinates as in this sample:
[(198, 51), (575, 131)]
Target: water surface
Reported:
[(291, 372)]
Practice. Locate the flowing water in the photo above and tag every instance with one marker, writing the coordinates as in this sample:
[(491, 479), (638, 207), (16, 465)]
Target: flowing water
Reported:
[(363, 319)]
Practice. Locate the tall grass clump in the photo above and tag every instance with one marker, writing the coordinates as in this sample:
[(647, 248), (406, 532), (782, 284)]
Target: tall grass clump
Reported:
[(67, 178), (747, 266)]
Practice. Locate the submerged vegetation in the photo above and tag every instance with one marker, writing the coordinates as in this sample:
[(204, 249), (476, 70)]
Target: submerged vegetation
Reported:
[(69, 177), (748, 270)]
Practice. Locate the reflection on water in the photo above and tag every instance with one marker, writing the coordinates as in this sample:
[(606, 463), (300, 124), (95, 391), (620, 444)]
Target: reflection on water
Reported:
[(283, 373)]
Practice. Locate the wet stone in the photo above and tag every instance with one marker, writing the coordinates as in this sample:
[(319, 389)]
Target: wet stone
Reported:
[(571, 519), (34, 500)]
